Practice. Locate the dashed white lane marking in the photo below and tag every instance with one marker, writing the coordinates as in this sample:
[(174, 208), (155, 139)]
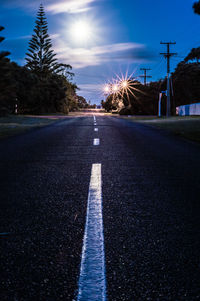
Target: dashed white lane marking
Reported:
[(96, 129), (92, 280), (94, 118), (96, 141)]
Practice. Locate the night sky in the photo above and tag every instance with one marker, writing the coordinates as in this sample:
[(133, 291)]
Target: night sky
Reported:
[(123, 36)]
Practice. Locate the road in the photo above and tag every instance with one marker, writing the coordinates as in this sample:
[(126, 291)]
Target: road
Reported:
[(143, 189)]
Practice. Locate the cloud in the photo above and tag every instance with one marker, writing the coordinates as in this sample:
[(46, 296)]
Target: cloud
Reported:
[(90, 88), (70, 6), (53, 6), (20, 38), (92, 92), (95, 56)]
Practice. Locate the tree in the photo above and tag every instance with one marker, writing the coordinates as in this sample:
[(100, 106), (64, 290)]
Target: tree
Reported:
[(186, 83), (82, 103), (141, 99), (3, 54), (55, 91), (6, 85), (40, 56), (110, 103), (193, 55), (196, 7)]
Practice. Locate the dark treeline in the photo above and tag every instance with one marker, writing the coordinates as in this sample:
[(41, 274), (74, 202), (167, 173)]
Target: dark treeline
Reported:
[(41, 86)]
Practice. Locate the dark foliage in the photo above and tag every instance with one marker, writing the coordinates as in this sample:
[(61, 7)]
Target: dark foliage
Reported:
[(35, 92), (110, 103), (144, 98), (193, 55), (81, 102), (7, 92), (186, 82), (196, 7), (36, 95)]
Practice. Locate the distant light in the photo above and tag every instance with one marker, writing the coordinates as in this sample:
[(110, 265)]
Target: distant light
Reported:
[(124, 84), (81, 31), (115, 88), (106, 89)]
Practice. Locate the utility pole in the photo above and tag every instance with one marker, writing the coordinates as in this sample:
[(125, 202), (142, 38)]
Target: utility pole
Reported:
[(145, 75), (168, 55)]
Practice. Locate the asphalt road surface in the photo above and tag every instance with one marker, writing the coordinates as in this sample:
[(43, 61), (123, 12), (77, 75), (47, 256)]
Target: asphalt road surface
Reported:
[(143, 189)]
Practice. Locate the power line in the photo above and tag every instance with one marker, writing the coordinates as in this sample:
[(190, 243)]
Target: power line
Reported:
[(168, 55), (157, 67), (145, 76)]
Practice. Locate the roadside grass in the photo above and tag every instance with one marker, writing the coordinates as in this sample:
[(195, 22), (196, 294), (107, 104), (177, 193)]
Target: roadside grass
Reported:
[(184, 126), (84, 112), (16, 124)]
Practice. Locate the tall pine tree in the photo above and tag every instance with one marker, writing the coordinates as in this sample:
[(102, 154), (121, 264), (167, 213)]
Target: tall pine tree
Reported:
[(3, 54), (40, 56)]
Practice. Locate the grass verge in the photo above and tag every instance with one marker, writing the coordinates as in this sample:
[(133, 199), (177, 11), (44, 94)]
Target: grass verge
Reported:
[(16, 124), (184, 126)]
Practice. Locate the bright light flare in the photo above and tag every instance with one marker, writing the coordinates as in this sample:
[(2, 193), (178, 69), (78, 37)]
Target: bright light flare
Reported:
[(106, 89), (122, 87), (115, 88), (124, 84), (81, 31), (126, 87)]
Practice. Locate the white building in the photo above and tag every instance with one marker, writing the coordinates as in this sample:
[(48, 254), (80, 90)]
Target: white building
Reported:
[(187, 110)]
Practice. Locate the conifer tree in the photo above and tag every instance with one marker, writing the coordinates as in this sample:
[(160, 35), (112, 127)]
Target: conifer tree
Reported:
[(3, 58), (3, 54), (40, 56)]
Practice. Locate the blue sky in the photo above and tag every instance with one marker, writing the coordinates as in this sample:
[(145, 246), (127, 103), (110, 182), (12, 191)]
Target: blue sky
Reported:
[(124, 36)]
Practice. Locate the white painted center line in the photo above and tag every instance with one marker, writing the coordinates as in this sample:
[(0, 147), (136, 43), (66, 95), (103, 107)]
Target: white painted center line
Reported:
[(94, 118), (92, 280), (96, 141), (96, 129)]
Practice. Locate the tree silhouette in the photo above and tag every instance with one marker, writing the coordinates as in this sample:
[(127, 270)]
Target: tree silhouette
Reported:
[(193, 55), (3, 54), (196, 7), (6, 86), (40, 56)]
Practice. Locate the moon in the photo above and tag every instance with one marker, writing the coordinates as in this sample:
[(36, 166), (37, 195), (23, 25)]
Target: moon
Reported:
[(81, 31)]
